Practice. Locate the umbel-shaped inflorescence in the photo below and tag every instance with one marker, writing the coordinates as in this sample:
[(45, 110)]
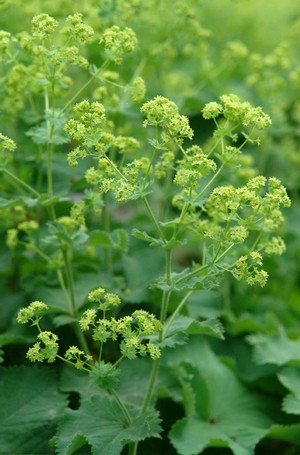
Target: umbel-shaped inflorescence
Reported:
[(132, 332)]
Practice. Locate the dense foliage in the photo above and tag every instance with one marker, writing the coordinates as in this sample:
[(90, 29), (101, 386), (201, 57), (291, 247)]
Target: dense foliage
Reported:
[(149, 214)]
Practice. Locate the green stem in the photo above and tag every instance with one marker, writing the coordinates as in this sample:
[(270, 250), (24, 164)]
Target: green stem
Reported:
[(180, 305), (152, 216), (49, 167), (122, 406), (164, 308), (191, 274), (106, 225), (73, 309), (21, 182), (82, 89), (217, 259), (115, 168), (72, 363), (150, 386), (33, 247), (210, 182)]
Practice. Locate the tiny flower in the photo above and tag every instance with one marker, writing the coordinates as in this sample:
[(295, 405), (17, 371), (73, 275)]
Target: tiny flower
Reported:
[(118, 42), (87, 319), (96, 295), (34, 310), (28, 226), (43, 25), (78, 29), (154, 351), (12, 238), (212, 110), (138, 89)]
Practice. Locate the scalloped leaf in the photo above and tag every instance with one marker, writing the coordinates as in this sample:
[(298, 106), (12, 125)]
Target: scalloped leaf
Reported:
[(190, 326), (232, 416), (101, 423), (290, 378), (29, 416), (276, 348), (117, 239), (288, 433)]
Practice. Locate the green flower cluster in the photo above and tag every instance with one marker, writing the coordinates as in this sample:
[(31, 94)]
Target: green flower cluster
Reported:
[(126, 184), (194, 165), (118, 42), (164, 113), (5, 38), (32, 313), (45, 349), (248, 205), (7, 146), (85, 127), (105, 300), (12, 238), (77, 29), (133, 330), (276, 246), (43, 26), (79, 358), (247, 267), (138, 89), (44, 57), (233, 109)]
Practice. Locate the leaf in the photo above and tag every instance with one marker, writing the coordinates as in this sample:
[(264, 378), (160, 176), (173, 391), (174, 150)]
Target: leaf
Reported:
[(43, 199), (190, 326), (147, 238), (205, 304), (141, 269), (288, 433), (290, 378), (17, 334), (40, 133), (117, 239), (232, 417), (276, 348), (54, 297), (102, 424), (29, 416), (180, 282)]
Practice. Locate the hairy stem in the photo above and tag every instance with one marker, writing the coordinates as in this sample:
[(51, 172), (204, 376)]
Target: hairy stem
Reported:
[(20, 182)]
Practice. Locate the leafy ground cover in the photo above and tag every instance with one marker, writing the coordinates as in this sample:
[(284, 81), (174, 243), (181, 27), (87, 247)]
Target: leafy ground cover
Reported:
[(149, 227)]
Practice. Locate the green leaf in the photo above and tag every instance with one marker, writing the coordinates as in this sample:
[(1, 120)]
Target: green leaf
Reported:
[(290, 378), (39, 135), (29, 416), (117, 239), (288, 433), (204, 304), (147, 238), (102, 424), (141, 270), (55, 298), (17, 334), (190, 326), (212, 327), (179, 282), (233, 416), (276, 348)]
